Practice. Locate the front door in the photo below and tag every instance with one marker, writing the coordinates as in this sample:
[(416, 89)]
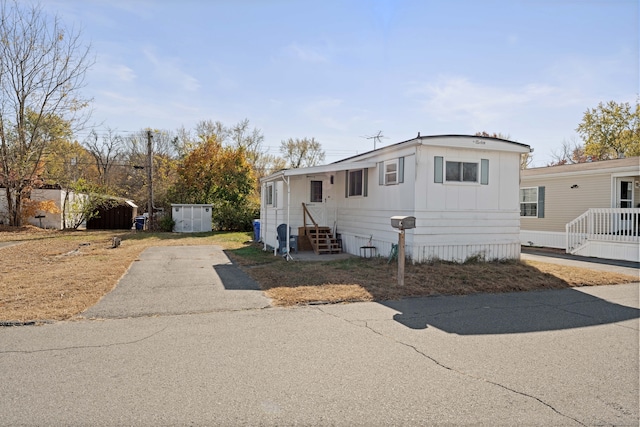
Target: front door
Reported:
[(625, 194), (316, 200), (625, 200)]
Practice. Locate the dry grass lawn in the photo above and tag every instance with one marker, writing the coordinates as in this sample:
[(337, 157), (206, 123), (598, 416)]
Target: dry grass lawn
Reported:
[(54, 275), (366, 279)]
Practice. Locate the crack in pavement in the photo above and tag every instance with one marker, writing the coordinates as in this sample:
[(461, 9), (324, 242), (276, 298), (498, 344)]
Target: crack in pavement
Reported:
[(521, 393), (449, 368), (43, 350)]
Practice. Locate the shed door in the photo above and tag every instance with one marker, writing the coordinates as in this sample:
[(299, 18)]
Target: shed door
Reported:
[(197, 219), (187, 219)]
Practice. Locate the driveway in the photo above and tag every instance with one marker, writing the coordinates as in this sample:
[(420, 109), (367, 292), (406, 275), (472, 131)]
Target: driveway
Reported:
[(173, 280), (567, 357)]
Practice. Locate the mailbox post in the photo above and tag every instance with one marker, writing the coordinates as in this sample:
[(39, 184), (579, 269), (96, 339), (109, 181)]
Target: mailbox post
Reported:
[(402, 223)]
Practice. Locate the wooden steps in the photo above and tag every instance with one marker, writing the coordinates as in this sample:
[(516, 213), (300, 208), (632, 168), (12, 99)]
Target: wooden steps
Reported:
[(322, 240)]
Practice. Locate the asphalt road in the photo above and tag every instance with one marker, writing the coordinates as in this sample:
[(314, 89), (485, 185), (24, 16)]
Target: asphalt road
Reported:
[(565, 357)]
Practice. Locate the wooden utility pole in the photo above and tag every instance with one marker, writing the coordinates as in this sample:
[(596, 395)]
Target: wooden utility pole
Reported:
[(150, 179)]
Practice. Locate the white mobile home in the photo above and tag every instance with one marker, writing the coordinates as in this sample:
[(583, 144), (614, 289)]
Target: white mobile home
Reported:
[(462, 190), (590, 209)]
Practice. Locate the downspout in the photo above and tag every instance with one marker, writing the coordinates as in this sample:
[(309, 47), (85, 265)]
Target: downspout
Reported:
[(287, 182), (263, 206)]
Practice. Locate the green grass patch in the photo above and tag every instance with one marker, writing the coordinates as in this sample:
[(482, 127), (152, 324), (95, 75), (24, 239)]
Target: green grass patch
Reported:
[(252, 255)]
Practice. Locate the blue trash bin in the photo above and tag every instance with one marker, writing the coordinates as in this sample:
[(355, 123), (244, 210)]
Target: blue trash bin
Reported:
[(140, 223), (256, 230)]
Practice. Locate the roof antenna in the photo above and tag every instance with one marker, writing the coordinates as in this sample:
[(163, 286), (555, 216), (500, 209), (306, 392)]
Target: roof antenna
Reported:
[(376, 138)]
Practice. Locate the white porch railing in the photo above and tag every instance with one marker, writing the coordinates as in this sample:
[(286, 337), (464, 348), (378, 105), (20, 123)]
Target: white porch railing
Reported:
[(604, 224)]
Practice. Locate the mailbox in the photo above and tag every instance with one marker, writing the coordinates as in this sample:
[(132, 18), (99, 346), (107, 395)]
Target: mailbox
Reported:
[(403, 222)]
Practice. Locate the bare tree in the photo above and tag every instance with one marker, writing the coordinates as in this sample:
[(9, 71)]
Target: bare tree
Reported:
[(208, 128), (132, 178), (106, 151), (42, 69), (301, 153), (248, 139), (525, 160), (571, 151)]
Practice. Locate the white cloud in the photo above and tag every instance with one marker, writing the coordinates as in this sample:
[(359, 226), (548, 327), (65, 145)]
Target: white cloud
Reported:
[(135, 112), (123, 73), (108, 69), (459, 99), (305, 53), (168, 70), (325, 111)]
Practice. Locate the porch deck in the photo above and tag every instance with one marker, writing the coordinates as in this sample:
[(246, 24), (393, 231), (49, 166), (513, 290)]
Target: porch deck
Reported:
[(602, 231)]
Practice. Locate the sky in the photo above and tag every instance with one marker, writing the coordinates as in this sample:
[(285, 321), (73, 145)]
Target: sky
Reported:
[(341, 71)]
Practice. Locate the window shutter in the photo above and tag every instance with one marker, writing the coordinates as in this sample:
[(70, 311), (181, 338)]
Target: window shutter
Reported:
[(365, 181), (437, 169), (540, 202), (400, 170), (346, 184), (275, 195), (380, 173), (484, 171)]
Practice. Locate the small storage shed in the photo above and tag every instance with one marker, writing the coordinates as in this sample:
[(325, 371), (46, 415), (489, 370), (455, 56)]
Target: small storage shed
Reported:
[(191, 218), (118, 217)]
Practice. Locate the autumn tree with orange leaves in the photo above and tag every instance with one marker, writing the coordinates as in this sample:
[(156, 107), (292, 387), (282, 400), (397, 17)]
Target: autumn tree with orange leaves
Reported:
[(219, 175)]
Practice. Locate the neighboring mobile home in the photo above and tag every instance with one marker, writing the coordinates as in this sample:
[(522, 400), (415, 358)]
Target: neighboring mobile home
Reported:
[(115, 217), (462, 190), (42, 219), (590, 209)]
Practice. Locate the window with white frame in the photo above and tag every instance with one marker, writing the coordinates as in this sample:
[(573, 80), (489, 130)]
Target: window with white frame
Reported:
[(529, 202), (461, 172), (268, 197), (355, 183), (315, 195), (391, 172)]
